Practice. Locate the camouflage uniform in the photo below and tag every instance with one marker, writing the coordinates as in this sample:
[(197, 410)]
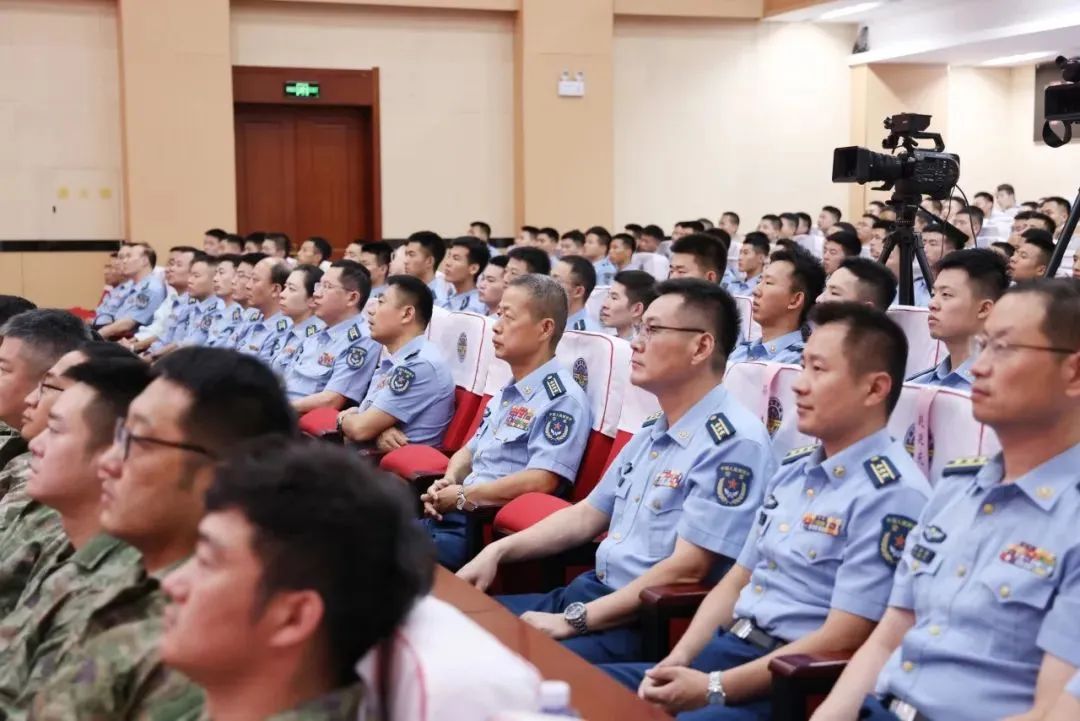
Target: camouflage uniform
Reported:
[(13, 479), (11, 445), (52, 614), (342, 704)]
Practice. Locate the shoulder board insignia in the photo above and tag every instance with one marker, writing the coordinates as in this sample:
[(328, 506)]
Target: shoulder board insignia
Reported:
[(719, 428), (354, 333), (651, 420), (236, 315), (282, 324), (797, 453), (554, 386), (412, 355), (881, 471), (311, 330), (191, 301), (964, 466)]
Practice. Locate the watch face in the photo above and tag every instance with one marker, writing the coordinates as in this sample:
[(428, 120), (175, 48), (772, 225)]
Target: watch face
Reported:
[(460, 503)]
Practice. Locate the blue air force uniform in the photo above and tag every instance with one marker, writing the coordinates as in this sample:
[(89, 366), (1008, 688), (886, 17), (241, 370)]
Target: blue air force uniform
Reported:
[(467, 302), (992, 574), (828, 535), (605, 271), (263, 337), (177, 322), (251, 315), (700, 480), (341, 359), (414, 386), (788, 348), (943, 375), (222, 329), (583, 321), (540, 422), (201, 319), (105, 313), (143, 299), (743, 287), (291, 342)]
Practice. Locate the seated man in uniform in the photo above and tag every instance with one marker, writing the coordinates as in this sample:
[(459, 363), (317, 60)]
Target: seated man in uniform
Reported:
[(375, 256), (491, 284), (534, 430), (232, 313), (105, 312), (838, 246), (298, 304), (411, 397), (678, 500), (232, 244), (860, 280), (200, 405), (208, 308), (13, 388), (242, 295), (814, 574), (968, 284), (547, 240), (982, 618), (177, 269), (269, 634), (1032, 258), (753, 257), (578, 278), (146, 294), (630, 295), (465, 258), (620, 253), (334, 366), (262, 338), (424, 252), (82, 560), (595, 249), (572, 242), (698, 256), (315, 251), (782, 302), (526, 260)]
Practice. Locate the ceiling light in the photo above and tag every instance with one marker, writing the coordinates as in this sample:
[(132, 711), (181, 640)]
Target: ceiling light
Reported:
[(1020, 59), (850, 10)]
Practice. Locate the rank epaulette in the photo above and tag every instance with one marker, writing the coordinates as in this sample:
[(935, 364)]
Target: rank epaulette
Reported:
[(881, 471), (719, 427), (651, 420), (554, 386), (964, 466), (797, 453)]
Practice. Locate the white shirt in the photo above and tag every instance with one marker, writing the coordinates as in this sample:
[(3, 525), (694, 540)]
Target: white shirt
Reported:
[(161, 316), (430, 681)]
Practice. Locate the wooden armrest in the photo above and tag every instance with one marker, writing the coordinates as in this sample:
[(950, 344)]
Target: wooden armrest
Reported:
[(675, 596), (810, 666)]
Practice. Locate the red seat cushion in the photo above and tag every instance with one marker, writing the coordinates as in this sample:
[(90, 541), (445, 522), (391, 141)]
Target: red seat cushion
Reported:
[(81, 313), (527, 510), (461, 426), (319, 421), (411, 459), (593, 464)]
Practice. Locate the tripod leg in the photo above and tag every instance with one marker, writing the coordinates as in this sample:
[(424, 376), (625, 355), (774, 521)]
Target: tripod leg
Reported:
[(1066, 235)]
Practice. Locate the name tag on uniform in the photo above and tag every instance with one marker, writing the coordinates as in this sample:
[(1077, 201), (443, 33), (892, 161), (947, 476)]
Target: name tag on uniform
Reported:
[(668, 479), (1030, 558), (520, 417), (829, 525), (327, 360)]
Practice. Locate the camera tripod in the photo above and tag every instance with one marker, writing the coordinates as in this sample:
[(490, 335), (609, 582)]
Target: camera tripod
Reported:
[(902, 238)]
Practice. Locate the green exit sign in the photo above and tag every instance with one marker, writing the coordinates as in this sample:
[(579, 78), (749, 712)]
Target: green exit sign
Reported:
[(301, 89)]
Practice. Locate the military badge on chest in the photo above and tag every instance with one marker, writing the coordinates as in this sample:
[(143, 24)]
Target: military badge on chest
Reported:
[(1030, 558), (829, 525), (668, 479), (519, 417), (733, 484), (326, 360)]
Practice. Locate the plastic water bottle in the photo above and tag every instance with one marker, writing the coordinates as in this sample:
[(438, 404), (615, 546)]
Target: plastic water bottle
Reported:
[(555, 699)]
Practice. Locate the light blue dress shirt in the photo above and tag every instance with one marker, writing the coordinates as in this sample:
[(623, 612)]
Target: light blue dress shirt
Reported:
[(605, 271), (943, 375), (105, 313), (291, 342), (788, 348), (264, 337), (467, 302), (145, 297), (176, 325), (743, 287), (700, 479), (201, 319), (583, 321), (992, 574), (341, 359), (221, 331)]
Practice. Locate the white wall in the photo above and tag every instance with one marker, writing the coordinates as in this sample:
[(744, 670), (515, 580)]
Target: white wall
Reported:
[(60, 155), (719, 115), (446, 94)]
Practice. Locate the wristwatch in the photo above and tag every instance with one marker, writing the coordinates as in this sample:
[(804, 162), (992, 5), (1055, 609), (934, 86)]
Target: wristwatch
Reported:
[(463, 502), (715, 695), (575, 615)]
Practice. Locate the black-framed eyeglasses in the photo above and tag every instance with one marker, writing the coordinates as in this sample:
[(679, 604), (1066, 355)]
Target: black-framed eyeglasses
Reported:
[(124, 438), (999, 347), (646, 332)]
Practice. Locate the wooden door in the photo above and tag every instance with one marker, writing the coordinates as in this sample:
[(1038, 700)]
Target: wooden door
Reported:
[(305, 171)]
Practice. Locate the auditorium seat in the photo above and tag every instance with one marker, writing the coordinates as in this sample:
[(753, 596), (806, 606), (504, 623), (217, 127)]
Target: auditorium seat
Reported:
[(654, 264), (595, 301), (938, 426), (765, 390), (748, 327), (923, 351)]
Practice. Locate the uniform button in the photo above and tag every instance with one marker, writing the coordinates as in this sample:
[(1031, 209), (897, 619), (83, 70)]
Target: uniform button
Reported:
[(772, 349), (1005, 591), (758, 590), (1045, 492), (527, 390), (961, 571), (988, 508), (772, 565), (935, 630), (684, 435), (637, 499), (506, 403), (600, 575), (812, 554), (616, 536), (784, 528), (914, 565), (908, 666), (656, 505), (654, 454), (810, 492), (839, 471)]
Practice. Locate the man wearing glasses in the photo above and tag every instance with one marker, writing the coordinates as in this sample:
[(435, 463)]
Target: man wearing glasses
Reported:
[(336, 364), (202, 403), (982, 617), (677, 502)]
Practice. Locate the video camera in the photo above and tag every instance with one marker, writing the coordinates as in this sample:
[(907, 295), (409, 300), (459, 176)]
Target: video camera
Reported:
[(1062, 102)]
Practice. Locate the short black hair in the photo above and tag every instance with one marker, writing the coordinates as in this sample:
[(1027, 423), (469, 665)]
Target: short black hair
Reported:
[(773, 220), (707, 251), (233, 258), (281, 241), (499, 261), (549, 232), (1051, 225), (886, 225), (1061, 301), (97, 350), (312, 274), (233, 396), (653, 231), (536, 260), (326, 521), (791, 218), (1006, 188), (216, 233), (877, 284), (987, 272), (383, 252), (477, 250), (1042, 240), (833, 210), (877, 203), (149, 252), (804, 218), (1004, 247), (236, 240), (731, 214), (414, 292), (46, 334), (718, 307), (279, 273), (640, 286), (846, 227), (252, 259), (758, 241), (355, 277), (694, 226), (984, 195), (848, 242), (200, 257), (12, 305), (952, 242), (722, 236), (975, 213), (322, 246), (807, 276), (482, 226), (115, 382), (582, 272), (256, 236), (576, 236), (602, 233), (1058, 201), (432, 244), (873, 342), (182, 249), (626, 239), (530, 229), (633, 228)]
